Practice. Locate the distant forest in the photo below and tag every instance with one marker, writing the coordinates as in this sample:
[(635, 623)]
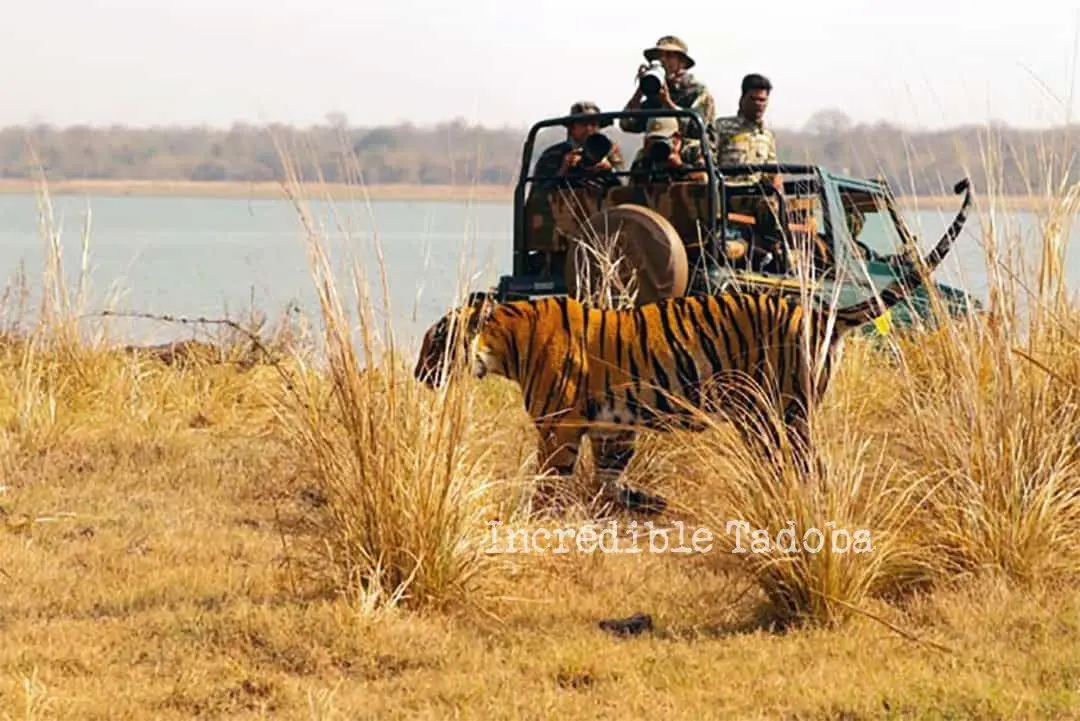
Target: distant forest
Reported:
[(996, 157)]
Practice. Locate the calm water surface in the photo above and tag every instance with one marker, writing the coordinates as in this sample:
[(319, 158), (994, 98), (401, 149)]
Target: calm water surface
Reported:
[(220, 257)]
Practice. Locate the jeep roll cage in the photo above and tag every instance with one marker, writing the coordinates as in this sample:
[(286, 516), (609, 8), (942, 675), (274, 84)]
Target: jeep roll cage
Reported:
[(717, 223)]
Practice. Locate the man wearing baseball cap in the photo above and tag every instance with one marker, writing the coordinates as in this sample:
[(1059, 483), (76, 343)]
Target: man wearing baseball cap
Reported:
[(682, 161), (681, 90), (566, 165)]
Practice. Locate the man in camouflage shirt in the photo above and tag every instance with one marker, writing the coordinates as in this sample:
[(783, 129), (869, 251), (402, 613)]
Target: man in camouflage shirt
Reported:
[(681, 90), (684, 160), (565, 160), (743, 138)]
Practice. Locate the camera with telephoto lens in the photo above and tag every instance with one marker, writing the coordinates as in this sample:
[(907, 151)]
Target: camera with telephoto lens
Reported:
[(652, 80), (595, 148), (659, 150)]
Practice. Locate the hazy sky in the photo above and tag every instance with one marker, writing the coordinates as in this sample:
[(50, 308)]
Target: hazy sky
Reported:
[(922, 63)]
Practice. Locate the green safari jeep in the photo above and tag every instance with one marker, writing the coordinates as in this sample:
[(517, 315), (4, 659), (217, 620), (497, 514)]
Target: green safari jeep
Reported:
[(840, 237)]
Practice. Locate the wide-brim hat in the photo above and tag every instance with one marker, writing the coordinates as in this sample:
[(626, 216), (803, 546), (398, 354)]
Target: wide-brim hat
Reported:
[(588, 107), (672, 43)]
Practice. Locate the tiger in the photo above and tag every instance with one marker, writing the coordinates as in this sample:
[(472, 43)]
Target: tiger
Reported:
[(603, 373)]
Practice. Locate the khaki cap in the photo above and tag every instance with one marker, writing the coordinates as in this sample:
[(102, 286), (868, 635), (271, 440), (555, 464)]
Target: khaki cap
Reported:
[(662, 127)]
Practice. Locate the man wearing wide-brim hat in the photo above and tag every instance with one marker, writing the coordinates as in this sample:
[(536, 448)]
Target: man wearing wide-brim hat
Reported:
[(681, 90), (588, 107), (566, 164)]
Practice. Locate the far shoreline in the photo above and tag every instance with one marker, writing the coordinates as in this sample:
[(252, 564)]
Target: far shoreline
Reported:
[(388, 192)]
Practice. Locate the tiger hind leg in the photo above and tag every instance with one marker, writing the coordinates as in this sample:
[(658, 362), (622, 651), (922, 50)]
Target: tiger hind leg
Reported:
[(558, 450), (797, 423), (612, 453), (757, 425), (764, 432)]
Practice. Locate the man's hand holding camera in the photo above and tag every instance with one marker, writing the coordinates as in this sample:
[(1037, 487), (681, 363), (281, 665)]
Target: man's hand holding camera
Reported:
[(661, 97), (570, 160), (573, 159), (604, 164), (664, 98), (674, 158), (599, 166)]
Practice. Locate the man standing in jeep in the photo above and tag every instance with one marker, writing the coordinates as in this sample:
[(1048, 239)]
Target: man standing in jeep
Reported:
[(743, 138), (680, 90)]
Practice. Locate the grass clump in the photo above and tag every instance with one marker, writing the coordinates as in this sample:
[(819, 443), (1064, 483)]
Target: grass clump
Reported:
[(403, 474), (995, 417), (404, 489), (818, 548)]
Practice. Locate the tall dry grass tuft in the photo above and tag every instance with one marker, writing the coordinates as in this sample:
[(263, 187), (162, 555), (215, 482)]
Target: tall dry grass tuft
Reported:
[(601, 267), (59, 311), (994, 416), (59, 369), (403, 474), (819, 547)]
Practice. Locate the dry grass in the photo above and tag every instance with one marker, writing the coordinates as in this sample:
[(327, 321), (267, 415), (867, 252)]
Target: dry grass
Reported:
[(305, 536)]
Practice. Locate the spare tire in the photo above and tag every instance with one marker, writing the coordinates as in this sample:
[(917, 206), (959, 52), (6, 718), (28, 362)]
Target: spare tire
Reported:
[(646, 246)]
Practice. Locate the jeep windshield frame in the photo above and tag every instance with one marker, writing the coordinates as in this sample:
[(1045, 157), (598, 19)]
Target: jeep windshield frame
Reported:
[(874, 198)]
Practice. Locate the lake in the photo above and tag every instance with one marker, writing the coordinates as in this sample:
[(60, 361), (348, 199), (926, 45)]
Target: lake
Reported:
[(219, 257)]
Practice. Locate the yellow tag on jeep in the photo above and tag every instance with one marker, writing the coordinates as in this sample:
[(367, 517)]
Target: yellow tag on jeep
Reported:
[(883, 323)]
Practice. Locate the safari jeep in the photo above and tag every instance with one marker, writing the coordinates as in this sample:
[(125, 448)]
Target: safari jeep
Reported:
[(684, 238)]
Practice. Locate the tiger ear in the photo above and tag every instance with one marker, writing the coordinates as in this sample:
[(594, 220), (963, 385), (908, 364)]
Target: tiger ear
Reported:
[(477, 298), (482, 304), (475, 310)]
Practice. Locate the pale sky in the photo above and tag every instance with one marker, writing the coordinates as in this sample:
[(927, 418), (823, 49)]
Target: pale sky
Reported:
[(925, 63)]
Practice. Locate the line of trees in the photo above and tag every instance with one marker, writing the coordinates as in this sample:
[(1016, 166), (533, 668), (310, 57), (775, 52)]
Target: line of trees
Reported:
[(1011, 160)]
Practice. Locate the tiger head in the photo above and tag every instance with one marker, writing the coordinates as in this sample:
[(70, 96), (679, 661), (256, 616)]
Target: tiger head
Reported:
[(464, 327)]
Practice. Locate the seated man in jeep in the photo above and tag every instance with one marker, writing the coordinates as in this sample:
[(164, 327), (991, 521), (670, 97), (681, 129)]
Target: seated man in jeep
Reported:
[(666, 156), (586, 157)]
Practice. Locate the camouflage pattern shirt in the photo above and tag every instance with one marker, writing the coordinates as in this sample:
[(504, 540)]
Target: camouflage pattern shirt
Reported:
[(551, 159), (688, 92), (740, 141), (693, 160)]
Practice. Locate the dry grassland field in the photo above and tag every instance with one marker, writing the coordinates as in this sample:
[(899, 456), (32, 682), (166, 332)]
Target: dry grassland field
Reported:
[(260, 530)]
